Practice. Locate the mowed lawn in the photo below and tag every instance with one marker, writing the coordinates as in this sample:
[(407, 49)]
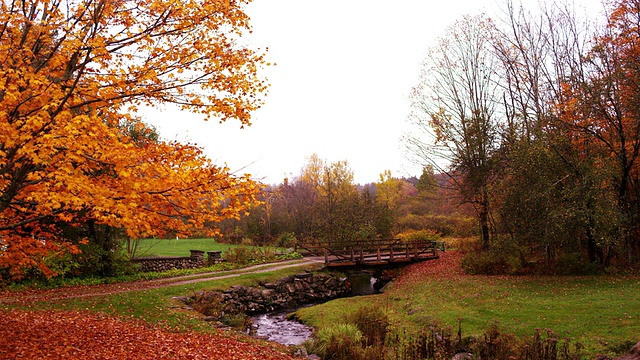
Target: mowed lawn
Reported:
[(600, 312), (179, 247)]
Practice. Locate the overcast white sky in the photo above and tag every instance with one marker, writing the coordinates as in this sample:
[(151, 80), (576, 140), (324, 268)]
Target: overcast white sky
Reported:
[(344, 71)]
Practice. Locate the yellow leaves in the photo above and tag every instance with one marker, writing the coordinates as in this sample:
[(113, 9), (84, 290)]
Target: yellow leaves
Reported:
[(67, 78)]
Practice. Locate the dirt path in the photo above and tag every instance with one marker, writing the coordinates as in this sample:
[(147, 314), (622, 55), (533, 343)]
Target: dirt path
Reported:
[(108, 289)]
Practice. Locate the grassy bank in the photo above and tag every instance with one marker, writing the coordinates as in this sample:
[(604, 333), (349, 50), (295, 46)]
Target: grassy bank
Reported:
[(155, 306), (602, 313)]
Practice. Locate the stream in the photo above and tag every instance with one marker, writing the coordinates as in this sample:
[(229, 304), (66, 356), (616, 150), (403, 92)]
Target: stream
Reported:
[(276, 327)]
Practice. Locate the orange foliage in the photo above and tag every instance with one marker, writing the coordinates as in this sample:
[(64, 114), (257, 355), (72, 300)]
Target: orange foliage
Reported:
[(71, 74), (76, 335), (605, 106)]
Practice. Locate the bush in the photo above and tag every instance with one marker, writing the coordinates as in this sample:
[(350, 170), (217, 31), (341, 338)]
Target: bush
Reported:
[(239, 255), (372, 322), (446, 225), (436, 342), (286, 240), (574, 264), (342, 341), (490, 263), (367, 232), (240, 322), (419, 235), (243, 255), (505, 257), (207, 303)]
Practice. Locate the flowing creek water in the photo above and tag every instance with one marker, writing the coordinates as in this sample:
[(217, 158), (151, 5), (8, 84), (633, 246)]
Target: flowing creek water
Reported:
[(275, 326)]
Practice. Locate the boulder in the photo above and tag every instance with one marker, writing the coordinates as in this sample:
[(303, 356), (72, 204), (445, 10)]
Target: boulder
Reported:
[(289, 291)]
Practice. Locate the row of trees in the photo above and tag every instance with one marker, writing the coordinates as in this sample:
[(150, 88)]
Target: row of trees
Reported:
[(324, 203), (78, 169), (535, 118)]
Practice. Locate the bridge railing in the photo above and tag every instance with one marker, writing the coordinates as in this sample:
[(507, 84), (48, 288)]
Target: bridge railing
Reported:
[(371, 251)]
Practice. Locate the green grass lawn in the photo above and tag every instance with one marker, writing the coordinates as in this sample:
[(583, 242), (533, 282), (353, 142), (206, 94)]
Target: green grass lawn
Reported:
[(180, 247), (601, 312)]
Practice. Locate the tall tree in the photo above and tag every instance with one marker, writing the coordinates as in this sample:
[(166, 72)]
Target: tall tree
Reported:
[(547, 195), (71, 74), (454, 105), (603, 109)]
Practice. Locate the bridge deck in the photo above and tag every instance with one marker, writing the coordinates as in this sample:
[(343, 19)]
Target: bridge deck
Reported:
[(372, 252)]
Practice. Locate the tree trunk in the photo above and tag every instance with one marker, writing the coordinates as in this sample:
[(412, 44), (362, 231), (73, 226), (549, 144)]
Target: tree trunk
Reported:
[(484, 225)]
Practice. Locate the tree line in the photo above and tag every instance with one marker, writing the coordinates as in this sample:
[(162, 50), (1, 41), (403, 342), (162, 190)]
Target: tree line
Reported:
[(534, 117), (323, 203)]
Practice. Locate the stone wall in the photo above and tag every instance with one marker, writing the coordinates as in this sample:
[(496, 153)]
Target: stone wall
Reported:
[(168, 263), (196, 260), (286, 292)]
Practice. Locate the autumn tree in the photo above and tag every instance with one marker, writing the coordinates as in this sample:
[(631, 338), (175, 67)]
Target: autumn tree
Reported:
[(454, 113), (546, 198), (336, 198), (72, 75), (602, 110), (390, 190)]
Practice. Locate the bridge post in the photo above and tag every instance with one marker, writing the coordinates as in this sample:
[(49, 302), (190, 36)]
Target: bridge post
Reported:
[(378, 252), (406, 249), (391, 253), (326, 257)]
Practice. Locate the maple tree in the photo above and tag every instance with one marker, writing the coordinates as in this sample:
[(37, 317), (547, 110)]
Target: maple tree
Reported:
[(73, 75)]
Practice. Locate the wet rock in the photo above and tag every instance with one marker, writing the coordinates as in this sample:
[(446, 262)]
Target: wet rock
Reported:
[(288, 291)]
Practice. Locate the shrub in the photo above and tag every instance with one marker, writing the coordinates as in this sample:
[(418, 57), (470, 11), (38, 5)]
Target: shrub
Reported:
[(61, 264), (207, 303), (239, 255), (446, 225), (505, 257), (496, 345), (455, 243), (372, 322), (367, 232), (286, 240), (574, 264), (243, 255), (436, 342), (419, 235), (341, 341), (237, 321), (490, 263), (289, 256)]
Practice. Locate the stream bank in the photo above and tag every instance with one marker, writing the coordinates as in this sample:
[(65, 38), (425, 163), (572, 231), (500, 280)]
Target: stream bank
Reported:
[(281, 327), (264, 309)]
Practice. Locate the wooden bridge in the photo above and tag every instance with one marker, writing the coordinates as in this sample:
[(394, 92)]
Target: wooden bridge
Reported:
[(371, 252)]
